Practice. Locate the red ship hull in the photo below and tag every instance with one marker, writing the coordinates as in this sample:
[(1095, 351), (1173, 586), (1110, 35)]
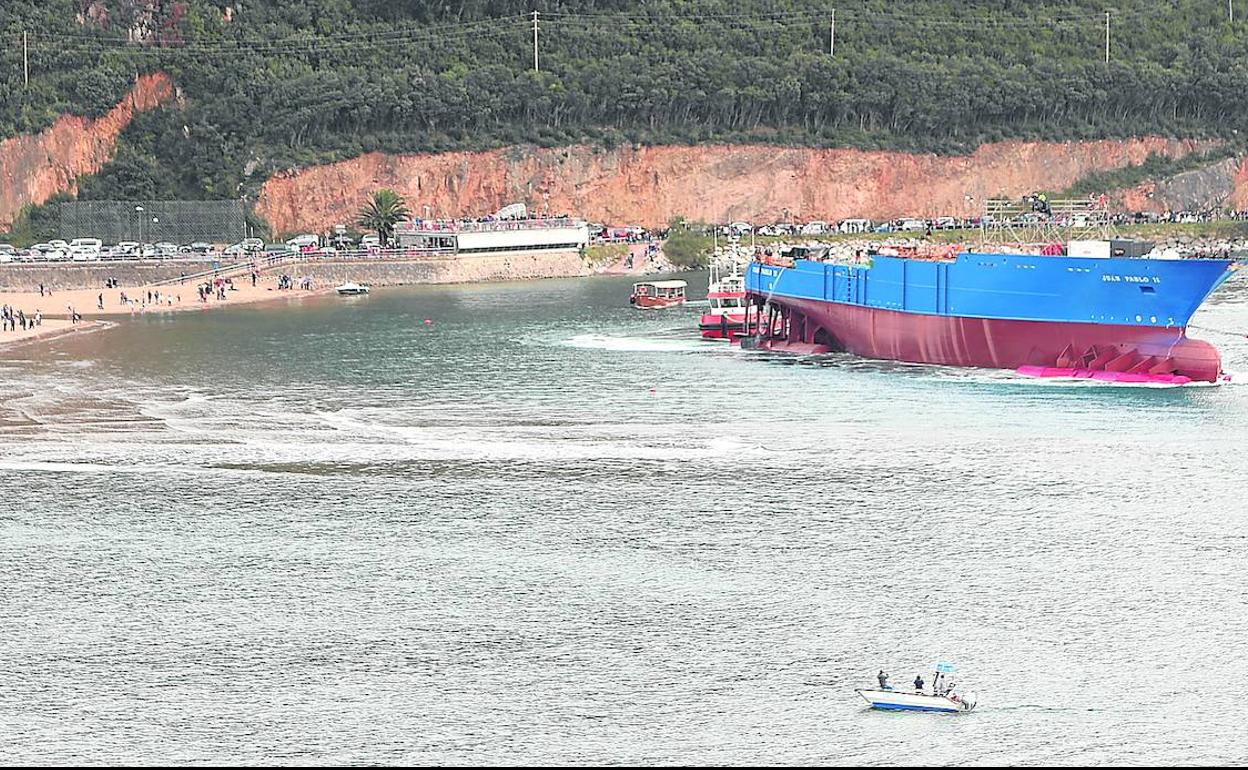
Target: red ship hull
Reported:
[(727, 326), (808, 327), (656, 303)]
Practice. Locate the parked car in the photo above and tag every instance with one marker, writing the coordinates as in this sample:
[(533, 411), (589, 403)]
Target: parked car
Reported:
[(49, 252), (305, 241), (165, 249), (7, 253), (370, 241), (912, 225), (814, 228), (84, 253)]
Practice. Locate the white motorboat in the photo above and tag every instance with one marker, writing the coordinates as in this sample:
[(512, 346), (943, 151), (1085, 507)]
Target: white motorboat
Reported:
[(902, 700), (351, 289), (942, 698)]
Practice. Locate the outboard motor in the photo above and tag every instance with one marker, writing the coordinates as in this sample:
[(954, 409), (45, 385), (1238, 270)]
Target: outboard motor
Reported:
[(968, 700)]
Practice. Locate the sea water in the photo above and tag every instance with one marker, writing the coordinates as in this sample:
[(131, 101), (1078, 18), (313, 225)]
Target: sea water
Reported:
[(526, 523)]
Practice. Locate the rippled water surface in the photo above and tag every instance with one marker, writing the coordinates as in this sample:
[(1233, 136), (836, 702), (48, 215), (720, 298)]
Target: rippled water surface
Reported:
[(546, 528)]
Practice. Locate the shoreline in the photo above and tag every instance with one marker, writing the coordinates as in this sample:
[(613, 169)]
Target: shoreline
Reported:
[(49, 332), (95, 305)]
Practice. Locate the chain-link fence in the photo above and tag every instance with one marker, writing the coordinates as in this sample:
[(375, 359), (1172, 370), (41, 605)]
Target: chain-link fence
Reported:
[(180, 222)]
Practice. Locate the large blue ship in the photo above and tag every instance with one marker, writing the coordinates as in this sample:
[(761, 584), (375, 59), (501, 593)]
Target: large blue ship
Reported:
[(1115, 317)]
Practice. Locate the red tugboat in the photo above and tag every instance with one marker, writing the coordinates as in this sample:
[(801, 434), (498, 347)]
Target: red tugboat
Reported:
[(656, 295), (724, 319)]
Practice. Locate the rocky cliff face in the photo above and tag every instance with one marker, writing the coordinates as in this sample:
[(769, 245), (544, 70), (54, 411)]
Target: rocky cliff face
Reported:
[(713, 183), (1219, 185), (35, 167)]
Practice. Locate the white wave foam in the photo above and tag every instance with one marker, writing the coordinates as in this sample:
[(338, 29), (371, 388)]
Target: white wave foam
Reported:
[(633, 344)]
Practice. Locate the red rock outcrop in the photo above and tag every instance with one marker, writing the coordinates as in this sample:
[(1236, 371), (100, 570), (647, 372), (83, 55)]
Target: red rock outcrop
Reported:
[(35, 167), (713, 183)]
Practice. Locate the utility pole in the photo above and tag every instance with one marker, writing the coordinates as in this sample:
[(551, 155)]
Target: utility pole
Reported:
[(535, 68), (1230, 10), (25, 61), (832, 36), (1107, 37)]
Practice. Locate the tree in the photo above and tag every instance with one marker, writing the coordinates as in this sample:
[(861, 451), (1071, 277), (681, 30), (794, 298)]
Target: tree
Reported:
[(684, 247), (382, 212)]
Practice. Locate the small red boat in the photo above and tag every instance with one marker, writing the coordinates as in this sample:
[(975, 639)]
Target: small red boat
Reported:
[(724, 318), (655, 295)]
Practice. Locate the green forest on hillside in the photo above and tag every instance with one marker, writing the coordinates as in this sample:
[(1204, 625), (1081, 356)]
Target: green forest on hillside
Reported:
[(292, 82)]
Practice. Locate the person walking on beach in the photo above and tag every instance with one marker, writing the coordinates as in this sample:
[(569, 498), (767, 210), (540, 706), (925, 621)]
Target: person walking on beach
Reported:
[(101, 301), (40, 290)]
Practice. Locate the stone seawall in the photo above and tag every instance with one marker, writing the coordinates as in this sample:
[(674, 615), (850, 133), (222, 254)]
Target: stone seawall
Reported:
[(28, 277), (464, 269), (328, 272)]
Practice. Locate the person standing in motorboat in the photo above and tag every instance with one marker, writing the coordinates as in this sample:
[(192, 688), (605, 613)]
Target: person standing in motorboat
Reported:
[(883, 680)]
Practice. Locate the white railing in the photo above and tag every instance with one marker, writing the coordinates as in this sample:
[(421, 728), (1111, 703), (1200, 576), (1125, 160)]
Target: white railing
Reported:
[(453, 226)]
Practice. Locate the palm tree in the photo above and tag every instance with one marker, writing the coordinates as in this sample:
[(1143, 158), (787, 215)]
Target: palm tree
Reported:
[(383, 210)]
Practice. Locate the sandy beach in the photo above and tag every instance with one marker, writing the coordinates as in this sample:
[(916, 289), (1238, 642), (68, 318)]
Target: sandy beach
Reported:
[(58, 306), (131, 300), (50, 328)]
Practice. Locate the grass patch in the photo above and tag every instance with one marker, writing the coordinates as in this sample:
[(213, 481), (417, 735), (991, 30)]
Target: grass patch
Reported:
[(603, 254)]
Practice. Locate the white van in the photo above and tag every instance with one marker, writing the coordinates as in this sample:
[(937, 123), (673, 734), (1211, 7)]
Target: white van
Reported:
[(86, 246), (814, 228)]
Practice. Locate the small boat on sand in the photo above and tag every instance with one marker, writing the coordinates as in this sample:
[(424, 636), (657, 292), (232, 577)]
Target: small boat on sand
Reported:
[(352, 289)]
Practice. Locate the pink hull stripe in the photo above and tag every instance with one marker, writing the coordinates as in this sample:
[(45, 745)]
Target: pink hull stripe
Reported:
[(1089, 374)]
